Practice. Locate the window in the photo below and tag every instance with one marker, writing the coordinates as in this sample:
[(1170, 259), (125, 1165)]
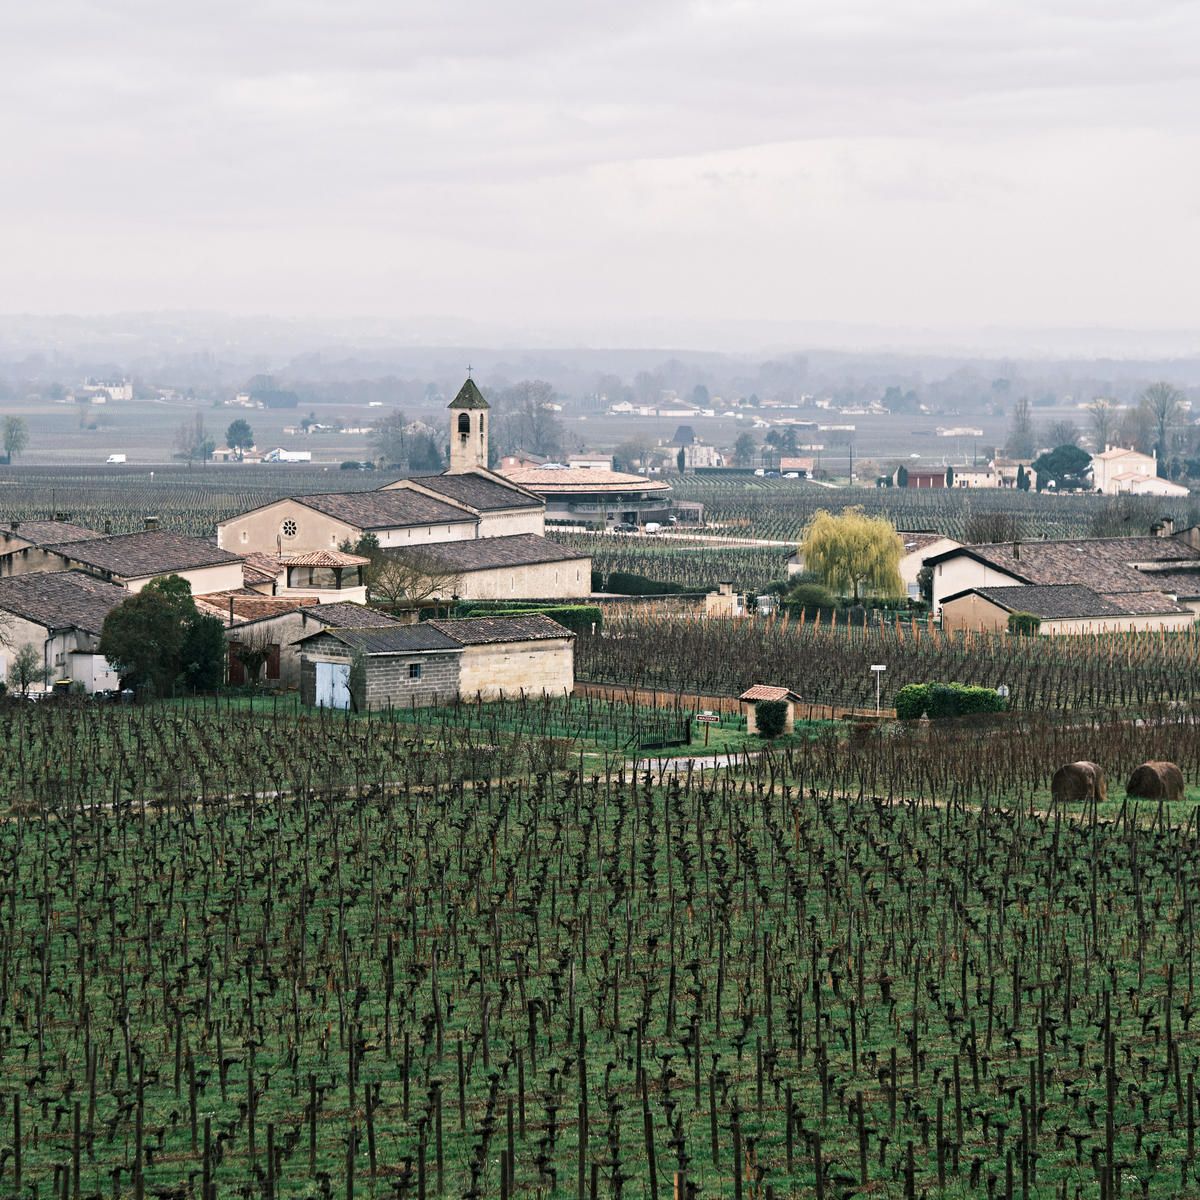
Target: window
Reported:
[(245, 536), (289, 528), (414, 670), (464, 424)]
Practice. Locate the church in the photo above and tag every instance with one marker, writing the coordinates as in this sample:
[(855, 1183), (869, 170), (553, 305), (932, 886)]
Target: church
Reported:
[(484, 535)]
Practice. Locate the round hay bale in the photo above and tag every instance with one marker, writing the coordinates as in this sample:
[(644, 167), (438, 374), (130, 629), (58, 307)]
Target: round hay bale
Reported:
[(1078, 782), (1156, 781)]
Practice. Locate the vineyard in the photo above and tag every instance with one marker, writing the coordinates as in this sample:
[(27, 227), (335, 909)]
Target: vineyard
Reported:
[(185, 500), (268, 955), (780, 508), (831, 665)]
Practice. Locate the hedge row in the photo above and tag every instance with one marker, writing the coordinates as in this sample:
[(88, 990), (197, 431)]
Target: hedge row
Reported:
[(945, 700), (577, 617)]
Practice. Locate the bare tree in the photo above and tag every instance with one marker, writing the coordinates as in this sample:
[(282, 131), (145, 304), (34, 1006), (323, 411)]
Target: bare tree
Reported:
[(992, 527), (1163, 403), (1063, 433), (1021, 439), (253, 650), (27, 668), (1103, 415), (413, 576)]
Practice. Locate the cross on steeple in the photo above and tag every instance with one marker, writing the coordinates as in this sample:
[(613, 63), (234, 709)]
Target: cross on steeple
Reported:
[(468, 370)]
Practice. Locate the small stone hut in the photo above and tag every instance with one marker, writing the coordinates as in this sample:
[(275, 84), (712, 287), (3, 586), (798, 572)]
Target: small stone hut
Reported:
[(762, 691)]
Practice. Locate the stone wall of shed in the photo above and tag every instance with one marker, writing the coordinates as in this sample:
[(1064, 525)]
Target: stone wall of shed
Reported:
[(536, 667)]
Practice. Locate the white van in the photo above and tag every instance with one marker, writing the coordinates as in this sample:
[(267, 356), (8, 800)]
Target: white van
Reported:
[(115, 458), (652, 526)]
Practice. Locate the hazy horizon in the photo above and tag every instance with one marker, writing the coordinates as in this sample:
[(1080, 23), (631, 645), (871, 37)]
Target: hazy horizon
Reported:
[(902, 166)]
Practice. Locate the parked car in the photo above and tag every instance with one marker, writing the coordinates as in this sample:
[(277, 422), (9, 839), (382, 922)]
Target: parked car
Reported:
[(652, 526), (624, 527)]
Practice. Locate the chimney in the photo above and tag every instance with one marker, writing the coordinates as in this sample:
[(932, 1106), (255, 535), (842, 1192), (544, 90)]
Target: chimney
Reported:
[(725, 588), (14, 525), (1017, 550), (151, 524), (231, 612)]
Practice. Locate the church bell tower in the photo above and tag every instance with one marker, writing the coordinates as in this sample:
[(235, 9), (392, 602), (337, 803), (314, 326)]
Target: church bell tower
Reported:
[(468, 429)]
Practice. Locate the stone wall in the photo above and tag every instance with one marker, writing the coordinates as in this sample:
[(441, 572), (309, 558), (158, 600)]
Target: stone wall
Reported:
[(536, 667), (389, 682)]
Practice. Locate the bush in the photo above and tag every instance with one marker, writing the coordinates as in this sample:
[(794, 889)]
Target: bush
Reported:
[(911, 701), (771, 717), (808, 598), (351, 464), (939, 700), (1023, 623), (577, 617), (628, 584)]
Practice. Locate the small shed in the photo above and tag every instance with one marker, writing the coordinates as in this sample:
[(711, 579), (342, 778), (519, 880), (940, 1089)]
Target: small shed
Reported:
[(404, 665), (762, 691)]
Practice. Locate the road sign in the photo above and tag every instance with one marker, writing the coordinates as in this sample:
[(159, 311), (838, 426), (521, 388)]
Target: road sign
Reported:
[(708, 718)]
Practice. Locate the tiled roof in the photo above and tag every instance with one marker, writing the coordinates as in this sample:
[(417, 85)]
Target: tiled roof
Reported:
[(764, 691), (480, 554), (478, 491), (1118, 452), (47, 533), (552, 481), (261, 568), (469, 396), (61, 599), (479, 631), (325, 558), (248, 605), (345, 614), (918, 541), (1102, 564), (1061, 601), (1182, 582), (153, 552), (394, 639), (385, 510)]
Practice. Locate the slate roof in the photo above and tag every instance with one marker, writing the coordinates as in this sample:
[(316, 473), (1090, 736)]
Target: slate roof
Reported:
[(764, 691), (385, 510), (395, 639), (1072, 600), (48, 533), (347, 615), (479, 492), (480, 631), (469, 396), (151, 552), (1102, 564), (552, 481), (61, 599), (481, 554)]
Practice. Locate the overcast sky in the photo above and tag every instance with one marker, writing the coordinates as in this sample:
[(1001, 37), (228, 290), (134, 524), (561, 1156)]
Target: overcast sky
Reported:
[(890, 162)]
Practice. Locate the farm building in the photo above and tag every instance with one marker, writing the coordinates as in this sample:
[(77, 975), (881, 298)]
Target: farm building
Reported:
[(61, 614), (511, 655), (1063, 608), (762, 691), (436, 662), (1118, 470), (278, 625), (1117, 569), (131, 560), (590, 497), (467, 505)]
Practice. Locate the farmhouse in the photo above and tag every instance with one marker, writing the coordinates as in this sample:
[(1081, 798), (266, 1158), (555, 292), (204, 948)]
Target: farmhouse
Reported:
[(1119, 470), (1063, 608), (436, 662), (280, 629), (60, 613), (131, 560), (1139, 577), (466, 506)]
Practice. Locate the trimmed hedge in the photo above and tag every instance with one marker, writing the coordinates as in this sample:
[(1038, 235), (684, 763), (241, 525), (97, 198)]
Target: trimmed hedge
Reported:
[(771, 717), (945, 700), (1023, 622), (577, 617), (625, 583)]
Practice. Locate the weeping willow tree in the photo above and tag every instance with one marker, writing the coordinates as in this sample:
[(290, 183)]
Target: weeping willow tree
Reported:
[(853, 551)]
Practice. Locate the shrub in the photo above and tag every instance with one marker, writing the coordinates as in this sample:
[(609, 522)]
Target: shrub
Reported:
[(808, 598), (351, 464), (1023, 623), (911, 701), (577, 617), (771, 717), (626, 583), (946, 700)]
